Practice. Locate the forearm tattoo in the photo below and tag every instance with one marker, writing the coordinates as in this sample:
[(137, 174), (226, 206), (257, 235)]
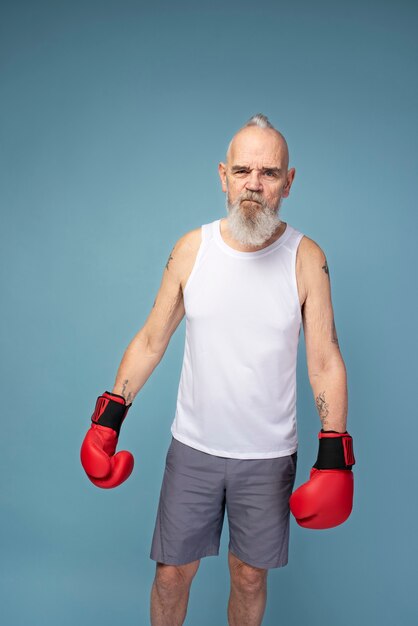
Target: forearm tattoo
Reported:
[(322, 407), (128, 397)]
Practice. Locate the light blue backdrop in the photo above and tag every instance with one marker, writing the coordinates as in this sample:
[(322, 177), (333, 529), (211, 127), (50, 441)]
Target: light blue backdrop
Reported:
[(114, 117)]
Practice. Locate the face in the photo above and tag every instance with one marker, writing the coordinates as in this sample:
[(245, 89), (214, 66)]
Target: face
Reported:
[(255, 178)]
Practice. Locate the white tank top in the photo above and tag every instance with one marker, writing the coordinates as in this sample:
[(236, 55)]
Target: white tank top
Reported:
[(237, 390)]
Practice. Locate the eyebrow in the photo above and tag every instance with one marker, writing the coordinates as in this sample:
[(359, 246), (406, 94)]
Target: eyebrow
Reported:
[(235, 168)]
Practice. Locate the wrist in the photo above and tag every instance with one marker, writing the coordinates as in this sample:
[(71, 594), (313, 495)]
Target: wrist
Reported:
[(110, 411), (335, 451)]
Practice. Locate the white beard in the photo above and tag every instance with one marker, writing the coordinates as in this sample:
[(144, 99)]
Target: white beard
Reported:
[(252, 224)]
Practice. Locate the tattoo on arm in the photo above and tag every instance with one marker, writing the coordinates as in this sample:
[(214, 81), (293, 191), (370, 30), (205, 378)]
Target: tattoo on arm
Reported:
[(325, 268), (128, 397), (322, 407), (169, 259)]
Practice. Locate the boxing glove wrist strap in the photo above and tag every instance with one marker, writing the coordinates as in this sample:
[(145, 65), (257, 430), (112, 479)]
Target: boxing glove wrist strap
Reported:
[(110, 411), (335, 451)]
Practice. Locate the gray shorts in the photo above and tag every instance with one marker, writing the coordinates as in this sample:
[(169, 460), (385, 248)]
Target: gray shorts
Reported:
[(196, 488)]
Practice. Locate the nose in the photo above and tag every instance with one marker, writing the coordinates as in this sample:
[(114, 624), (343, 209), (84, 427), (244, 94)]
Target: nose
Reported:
[(253, 183)]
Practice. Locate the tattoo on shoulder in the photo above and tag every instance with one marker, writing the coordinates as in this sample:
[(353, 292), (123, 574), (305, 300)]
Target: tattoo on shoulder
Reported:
[(322, 407), (325, 268), (169, 259)]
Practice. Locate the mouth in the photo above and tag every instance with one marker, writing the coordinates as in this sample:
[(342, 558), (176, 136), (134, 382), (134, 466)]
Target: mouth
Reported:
[(247, 200)]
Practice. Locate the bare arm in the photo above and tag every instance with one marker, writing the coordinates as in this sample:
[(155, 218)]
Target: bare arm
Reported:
[(148, 346), (326, 368)]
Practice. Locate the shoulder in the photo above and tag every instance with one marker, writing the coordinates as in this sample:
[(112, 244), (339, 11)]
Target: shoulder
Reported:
[(310, 256), (183, 254), (187, 245), (190, 240), (311, 264), (309, 250)]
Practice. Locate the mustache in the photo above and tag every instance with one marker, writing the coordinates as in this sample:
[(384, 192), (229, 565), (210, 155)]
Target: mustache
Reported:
[(252, 195), (255, 197)]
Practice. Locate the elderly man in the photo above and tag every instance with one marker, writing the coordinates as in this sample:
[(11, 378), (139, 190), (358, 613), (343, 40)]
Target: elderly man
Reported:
[(246, 283)]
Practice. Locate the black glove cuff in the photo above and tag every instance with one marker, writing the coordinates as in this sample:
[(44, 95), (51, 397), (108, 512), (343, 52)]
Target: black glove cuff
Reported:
[(335, 452), (109, 412)]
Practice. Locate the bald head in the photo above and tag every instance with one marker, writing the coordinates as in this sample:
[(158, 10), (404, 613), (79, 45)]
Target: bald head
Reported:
[(259, 141), (261, 122)]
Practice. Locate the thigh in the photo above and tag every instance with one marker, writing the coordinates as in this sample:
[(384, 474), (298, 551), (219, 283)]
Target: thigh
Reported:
[(191, 507), (257, 504)]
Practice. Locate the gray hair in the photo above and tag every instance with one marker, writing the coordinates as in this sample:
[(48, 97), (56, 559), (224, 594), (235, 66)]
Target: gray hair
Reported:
[(260, 120)]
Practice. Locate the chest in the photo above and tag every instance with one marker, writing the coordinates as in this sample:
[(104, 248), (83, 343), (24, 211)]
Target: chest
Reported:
[(241, 298), (190, 260)]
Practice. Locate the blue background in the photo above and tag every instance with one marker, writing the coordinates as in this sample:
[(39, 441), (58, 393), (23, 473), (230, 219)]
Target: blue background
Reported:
[(115, 115)]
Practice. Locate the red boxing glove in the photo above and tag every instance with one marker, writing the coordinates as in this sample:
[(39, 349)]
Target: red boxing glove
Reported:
[(326, 500), (105, 468)]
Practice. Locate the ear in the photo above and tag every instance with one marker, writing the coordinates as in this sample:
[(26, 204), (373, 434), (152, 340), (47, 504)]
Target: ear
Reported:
[(222, 175), (289, 180)]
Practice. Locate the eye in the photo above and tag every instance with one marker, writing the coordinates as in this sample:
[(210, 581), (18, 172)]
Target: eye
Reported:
[(270, 174)]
